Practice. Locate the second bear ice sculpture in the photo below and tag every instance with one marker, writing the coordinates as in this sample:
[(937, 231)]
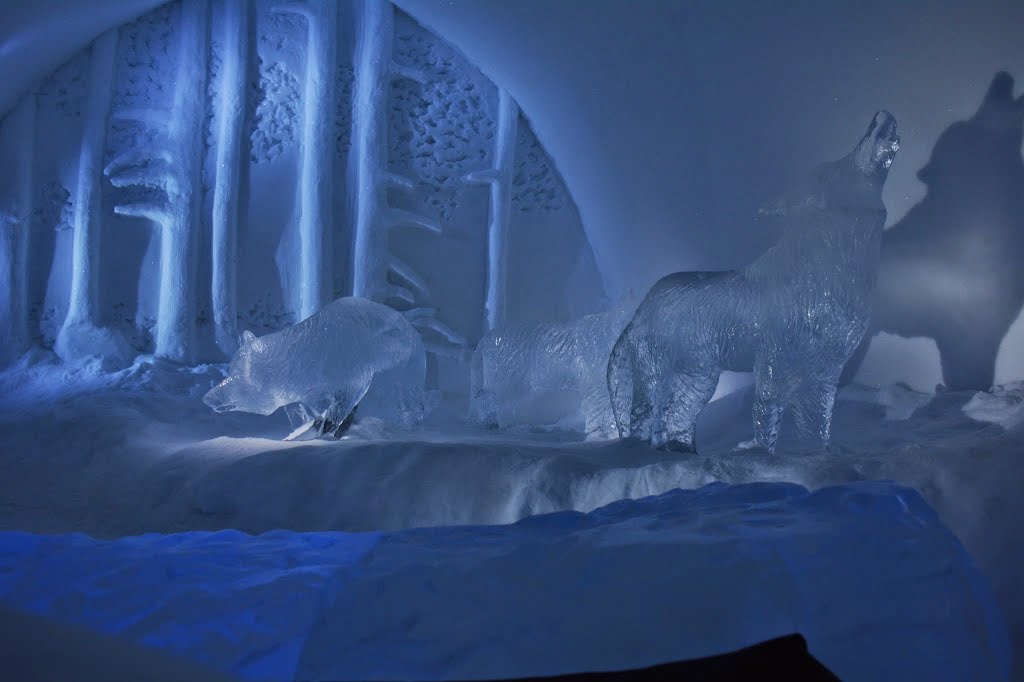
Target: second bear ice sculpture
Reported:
[(794, 316), (515, 364), (352, 352)]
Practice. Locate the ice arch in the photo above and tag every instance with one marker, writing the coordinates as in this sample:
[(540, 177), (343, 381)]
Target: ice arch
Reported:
[(284, 154)]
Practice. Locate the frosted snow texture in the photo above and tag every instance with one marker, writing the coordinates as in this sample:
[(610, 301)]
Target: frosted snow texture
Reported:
[(515, 364), (794, 316), (352, 352), (205, 122), (877, 585)]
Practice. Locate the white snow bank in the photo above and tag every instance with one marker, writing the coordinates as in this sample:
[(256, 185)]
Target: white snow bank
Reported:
[(137, 451), (878, 586), (900, 401), (1003, 405)]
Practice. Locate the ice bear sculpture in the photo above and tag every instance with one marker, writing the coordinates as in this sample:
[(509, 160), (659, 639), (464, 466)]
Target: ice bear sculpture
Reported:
[(352, 352), (514, 365), (794, 316)]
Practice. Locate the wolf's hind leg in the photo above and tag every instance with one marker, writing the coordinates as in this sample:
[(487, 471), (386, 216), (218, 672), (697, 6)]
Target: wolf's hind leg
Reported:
[(597, 413), (646, 384), (686, 394), (620, 384), (769, 403)]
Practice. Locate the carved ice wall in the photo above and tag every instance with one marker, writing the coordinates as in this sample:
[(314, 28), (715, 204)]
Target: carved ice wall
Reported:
[(256, 159)]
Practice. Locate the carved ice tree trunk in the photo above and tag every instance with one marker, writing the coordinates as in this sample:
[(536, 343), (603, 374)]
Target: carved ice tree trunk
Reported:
[(15, 230), (173, 164), (231, 110), (371, 180), (79, 335), (374, 218), (500, 179), (316, 171)]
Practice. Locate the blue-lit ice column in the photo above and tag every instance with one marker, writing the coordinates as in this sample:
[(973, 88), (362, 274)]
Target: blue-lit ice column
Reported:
[(316, 171), (230, 135), (80, 335), (500, 179), (15, 229), (173, 163)]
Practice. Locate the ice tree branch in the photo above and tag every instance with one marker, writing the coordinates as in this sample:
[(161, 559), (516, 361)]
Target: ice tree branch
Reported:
[(441, 328), (156, 176), (302, 8), (484, 177), (396, 217), (397, 181), (158, 213), (446, 350), (409, 73), (137, 157), (405, 271), (150, 117), (400, 293)]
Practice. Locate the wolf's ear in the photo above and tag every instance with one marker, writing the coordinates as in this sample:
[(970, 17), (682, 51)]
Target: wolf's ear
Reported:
[(247, 338)]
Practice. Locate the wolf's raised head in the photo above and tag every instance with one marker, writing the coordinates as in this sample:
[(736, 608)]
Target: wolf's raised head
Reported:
[(876, 150)]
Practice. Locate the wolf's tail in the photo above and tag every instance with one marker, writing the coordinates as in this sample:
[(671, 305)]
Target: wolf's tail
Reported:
[(620, 381)]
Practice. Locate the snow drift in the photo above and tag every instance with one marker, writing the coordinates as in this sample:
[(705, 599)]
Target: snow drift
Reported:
[(860, 569)]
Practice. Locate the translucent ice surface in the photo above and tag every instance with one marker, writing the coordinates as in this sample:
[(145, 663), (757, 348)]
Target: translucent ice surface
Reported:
[(794, 316), (350, 353), (515, 366)]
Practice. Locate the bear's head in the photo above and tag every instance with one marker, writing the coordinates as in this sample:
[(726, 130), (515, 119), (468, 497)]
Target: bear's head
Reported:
[(876, 150), (981, 154), (241, 390)]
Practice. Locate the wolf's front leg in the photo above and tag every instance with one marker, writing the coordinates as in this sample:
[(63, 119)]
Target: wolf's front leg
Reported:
[(812, 410), (768, 403), (686, 394)]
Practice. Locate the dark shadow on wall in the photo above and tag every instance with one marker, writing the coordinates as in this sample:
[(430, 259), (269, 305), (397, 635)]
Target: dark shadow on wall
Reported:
[(953, 268)]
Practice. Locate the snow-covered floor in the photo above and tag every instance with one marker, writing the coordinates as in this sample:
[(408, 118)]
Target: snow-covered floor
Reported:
[(137, 451), (866, 572)]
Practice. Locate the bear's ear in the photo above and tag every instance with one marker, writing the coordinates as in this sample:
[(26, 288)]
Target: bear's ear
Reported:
[(1000, 89), (247, 338)]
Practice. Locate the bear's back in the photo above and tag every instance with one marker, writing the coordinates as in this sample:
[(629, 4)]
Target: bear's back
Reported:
[(347, 340)]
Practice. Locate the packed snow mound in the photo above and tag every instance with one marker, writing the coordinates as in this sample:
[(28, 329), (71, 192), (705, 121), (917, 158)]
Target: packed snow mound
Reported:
[(900, 400), (866, 572), (136, 451), (1003, 405), (352, 352)]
